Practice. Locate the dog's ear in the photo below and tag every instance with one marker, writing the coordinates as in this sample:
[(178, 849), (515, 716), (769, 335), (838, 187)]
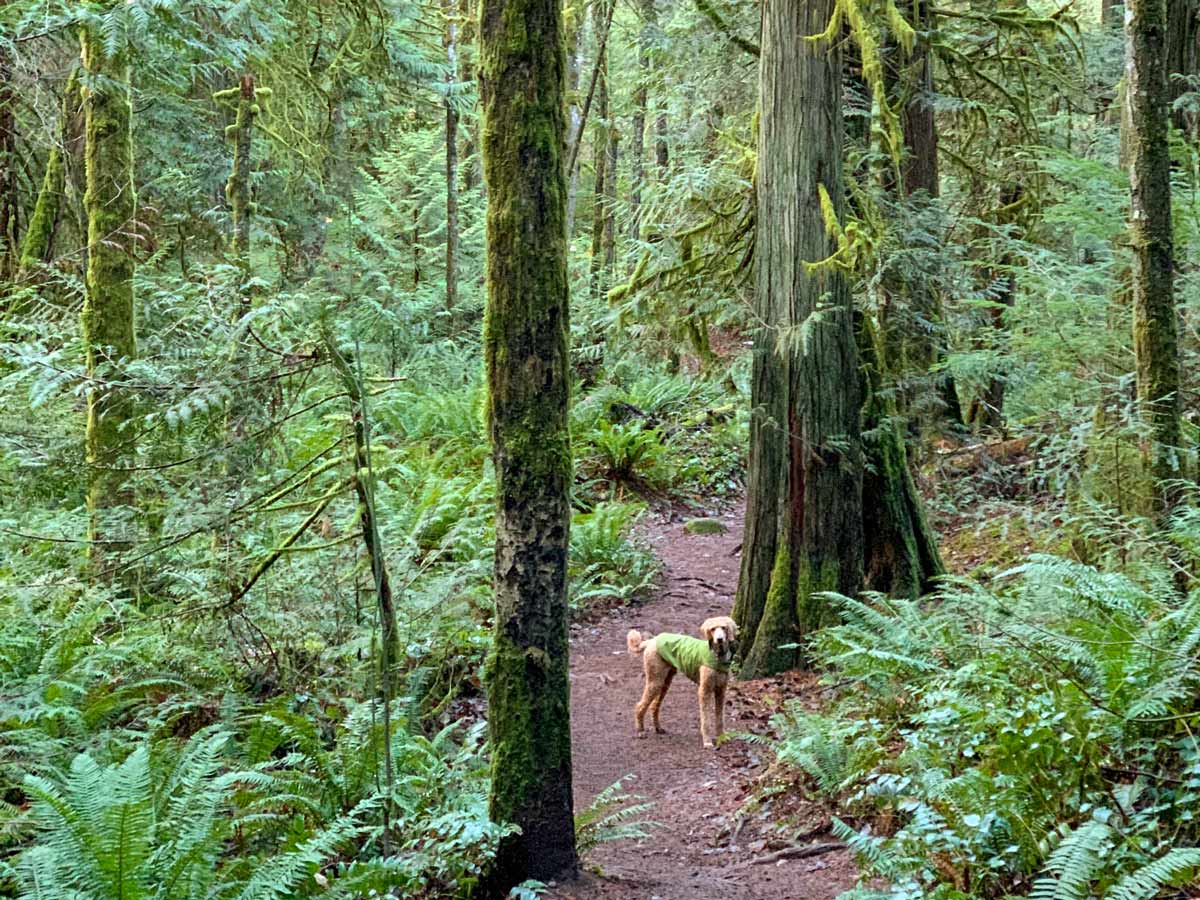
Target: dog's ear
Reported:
[(731, 626), (707, 627)]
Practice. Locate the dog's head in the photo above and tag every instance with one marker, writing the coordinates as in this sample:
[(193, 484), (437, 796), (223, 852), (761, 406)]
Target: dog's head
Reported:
[(721, 634)]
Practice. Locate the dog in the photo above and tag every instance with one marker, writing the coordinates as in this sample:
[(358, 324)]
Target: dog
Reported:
[(705, 664)]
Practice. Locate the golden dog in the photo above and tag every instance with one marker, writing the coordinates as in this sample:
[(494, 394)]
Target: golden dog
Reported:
[(705, 664)]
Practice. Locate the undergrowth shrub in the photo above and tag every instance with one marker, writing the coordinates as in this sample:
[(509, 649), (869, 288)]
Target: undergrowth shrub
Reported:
[(608, 563), (1032, 737)]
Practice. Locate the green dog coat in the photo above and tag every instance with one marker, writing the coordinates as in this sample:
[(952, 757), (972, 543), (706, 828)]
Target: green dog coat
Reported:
[(688, 654)]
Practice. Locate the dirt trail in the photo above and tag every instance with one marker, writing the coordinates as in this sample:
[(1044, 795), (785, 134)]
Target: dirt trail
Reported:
[(700, 851)]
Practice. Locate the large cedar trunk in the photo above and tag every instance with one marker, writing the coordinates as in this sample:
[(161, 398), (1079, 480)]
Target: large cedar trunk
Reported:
[(522, 88), (804, 506), (108, 312), (1155, 332), (1183, 58)]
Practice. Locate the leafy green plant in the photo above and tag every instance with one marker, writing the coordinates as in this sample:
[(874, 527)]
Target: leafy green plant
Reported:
[(1026, 737), (628, 453), (155, 826), (608, 563), (613, 815)]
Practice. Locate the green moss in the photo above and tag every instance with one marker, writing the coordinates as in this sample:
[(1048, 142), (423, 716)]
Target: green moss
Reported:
[(778, 626), (108, 309), (704, 526), (522, 84), (36, 247)]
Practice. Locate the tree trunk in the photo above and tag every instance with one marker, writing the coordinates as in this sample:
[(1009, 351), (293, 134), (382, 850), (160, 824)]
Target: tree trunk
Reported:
[(8, 169), (1155, 334), (610, 206), (600, 156), (637, 150), (661, 157), (237, 188), (574, 71), (804, 507), (987, 410), (108, 311), (37, 247), (900, 550), (451, 10), (1182, 58), (523, 81)]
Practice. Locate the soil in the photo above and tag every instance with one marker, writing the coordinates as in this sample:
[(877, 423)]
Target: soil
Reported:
[(717, 829)]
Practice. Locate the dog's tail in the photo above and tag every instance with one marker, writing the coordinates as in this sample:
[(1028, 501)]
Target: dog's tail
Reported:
[(634, 641)]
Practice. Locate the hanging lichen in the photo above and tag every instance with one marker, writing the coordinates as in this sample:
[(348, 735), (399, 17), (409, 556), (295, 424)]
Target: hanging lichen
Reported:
[(245, 99)]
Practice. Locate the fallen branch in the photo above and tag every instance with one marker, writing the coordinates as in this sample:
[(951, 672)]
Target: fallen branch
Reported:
[(797, 852)]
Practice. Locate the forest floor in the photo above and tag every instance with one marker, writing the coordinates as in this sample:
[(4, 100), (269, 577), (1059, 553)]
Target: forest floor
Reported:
[(714, 839)]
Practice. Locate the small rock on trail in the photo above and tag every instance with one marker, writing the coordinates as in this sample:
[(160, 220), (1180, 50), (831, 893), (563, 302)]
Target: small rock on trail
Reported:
[(700, 850)]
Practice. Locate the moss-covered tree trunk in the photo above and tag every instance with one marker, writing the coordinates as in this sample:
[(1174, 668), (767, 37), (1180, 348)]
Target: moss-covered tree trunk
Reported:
[(804, 505), (37, 247), (986, 410), (522, 84), (1155, 332), (914, 343), (108, 311), (900, 550), (238, 187), (450, 8)]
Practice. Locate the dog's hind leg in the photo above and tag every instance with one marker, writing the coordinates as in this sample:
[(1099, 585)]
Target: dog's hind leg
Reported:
[(639, 711), (658, 701)]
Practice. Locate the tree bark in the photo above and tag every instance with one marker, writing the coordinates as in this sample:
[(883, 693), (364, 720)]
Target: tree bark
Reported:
[(1183, 59), (1108, 10), (1155, 331), (574, 71), (900, 551), (237, 188), (637, 149), (8, 170), (804, 507), (601, 150), (108, 308), (451, 11), (523, 80)]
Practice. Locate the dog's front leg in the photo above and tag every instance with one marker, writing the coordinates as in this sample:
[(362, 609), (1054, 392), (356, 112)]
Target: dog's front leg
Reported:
[(704, 692), (719, 702)]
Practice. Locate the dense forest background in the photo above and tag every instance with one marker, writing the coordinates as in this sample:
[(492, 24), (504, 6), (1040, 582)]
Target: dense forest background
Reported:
[(247, 518)]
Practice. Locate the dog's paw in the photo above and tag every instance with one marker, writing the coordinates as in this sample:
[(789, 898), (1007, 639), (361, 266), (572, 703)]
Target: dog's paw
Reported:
[(639, 735), (708, 745), (660, 731)]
